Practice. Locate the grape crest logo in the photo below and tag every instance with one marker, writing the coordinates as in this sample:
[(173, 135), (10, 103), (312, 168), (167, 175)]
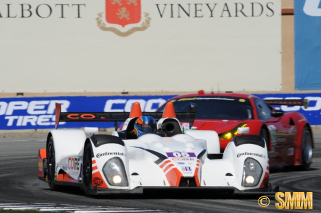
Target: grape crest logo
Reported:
[(120, 13)]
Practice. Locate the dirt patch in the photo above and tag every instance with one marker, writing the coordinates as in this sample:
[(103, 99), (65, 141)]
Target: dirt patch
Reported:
[(316, 129)]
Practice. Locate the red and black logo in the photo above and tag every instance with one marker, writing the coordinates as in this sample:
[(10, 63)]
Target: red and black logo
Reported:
[(97, 181)]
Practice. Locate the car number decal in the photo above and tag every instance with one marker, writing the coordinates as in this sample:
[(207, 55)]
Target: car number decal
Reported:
[(180, 154)]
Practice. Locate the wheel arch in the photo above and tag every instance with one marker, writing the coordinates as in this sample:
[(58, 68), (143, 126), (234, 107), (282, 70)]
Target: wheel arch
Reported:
[(300, 131), (255, 129), (299, 135), (67, 142)]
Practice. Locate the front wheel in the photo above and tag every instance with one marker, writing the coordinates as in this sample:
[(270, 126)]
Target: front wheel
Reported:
[(306, 149), (51, 164), (264, 134), (87, 169)]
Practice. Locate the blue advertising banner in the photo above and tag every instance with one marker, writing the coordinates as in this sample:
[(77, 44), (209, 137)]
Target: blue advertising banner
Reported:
[(38, 112), (307, 24)]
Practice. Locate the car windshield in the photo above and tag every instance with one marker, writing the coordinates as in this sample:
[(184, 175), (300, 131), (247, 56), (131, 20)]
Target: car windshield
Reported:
[(222, 108)]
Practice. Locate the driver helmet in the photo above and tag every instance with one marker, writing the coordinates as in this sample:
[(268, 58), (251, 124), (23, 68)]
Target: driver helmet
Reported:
[(144, 124)]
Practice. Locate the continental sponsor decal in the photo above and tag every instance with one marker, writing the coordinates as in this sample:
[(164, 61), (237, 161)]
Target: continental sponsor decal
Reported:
[(250, 154), (109, 153), (284, 200)]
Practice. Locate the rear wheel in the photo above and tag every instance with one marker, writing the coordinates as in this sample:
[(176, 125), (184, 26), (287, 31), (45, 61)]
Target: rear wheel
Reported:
[(306, 149), (51, 164), (87, 169)]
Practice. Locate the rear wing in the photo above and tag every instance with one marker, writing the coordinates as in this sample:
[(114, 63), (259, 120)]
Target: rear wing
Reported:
[(117, 116), (288, 102)]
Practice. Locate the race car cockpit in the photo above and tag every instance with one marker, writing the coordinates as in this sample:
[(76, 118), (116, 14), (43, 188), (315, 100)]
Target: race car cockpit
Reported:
[(167, 127)]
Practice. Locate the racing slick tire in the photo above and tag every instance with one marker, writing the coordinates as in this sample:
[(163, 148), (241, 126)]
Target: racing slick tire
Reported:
[(51, 164), (306, 149), (264, 134), (87, 170)]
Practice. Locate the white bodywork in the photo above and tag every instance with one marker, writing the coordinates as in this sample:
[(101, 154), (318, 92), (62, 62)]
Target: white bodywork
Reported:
[(154, 161)]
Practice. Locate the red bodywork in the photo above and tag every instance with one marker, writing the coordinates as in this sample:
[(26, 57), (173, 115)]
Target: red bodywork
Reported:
[(284, 133)]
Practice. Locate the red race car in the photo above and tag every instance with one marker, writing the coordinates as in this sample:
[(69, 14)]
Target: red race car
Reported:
[(288, 135)]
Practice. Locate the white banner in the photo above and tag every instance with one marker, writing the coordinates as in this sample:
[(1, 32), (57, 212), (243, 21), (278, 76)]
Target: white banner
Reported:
[(139, 45)]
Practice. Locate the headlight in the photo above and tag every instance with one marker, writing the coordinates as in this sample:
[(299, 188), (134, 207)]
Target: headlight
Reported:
[(252, 172), (230, 134), (249, 179), (252, 166), (114, 172), (227, 135), (117, 179)]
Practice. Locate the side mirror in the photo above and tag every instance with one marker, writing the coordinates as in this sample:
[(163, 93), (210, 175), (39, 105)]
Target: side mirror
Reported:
[(243, 130), (277, 113)]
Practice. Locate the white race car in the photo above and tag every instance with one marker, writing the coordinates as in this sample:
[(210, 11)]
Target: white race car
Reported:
[(102, 164)]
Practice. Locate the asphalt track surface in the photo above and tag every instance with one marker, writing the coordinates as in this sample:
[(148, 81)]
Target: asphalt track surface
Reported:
[(19, 183)]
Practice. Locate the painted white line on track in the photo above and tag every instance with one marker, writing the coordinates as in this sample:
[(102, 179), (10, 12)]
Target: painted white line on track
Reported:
[(46, 207), (4, 207), (56, 209), (18, 208), (118, 211), (10, 204), (45, 204)]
